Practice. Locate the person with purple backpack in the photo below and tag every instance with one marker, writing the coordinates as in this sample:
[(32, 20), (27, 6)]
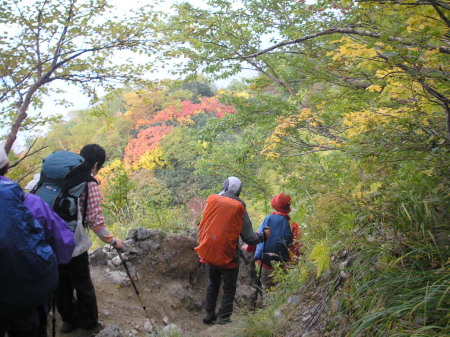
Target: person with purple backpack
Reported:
[(56, 243)]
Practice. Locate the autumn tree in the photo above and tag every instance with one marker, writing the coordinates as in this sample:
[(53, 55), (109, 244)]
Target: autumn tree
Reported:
[(351, 107), (161, 123), (339, 44), (144, 103), (45, 42), (180, 152)]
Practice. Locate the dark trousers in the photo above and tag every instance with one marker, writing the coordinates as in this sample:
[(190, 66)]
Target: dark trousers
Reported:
[(215, 277), (33, 323), (75, 278)]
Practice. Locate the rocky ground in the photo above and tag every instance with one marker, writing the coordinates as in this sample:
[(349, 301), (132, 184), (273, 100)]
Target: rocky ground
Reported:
[(171, 285)]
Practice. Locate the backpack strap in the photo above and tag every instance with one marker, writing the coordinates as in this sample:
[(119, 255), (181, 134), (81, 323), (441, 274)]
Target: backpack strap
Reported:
[(86, 193)]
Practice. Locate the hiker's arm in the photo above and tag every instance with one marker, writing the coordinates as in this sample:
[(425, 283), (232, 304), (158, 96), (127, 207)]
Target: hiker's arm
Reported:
[(252, 248), (94, 216), (247, 233), (57, 233)]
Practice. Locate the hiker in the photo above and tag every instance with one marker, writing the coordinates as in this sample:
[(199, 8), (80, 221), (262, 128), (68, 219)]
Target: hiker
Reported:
[(224, 220), (81, 311), (278, 246), (32, 322)]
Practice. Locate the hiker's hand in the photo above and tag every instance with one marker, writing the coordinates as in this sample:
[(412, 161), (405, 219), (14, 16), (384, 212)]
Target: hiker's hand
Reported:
[(248, 248), (119, 244), (266, 232)]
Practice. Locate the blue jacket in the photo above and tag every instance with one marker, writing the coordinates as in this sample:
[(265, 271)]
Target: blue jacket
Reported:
[(277, 246), (56, 233)]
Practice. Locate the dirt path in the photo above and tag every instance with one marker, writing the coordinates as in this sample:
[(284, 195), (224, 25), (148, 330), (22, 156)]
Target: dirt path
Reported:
[(171, 284), (120, 306)]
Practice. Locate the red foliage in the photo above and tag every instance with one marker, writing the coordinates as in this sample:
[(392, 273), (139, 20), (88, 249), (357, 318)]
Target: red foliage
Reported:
[(146, 140), (167, 114), (142, 122), (149, 137), (208, 104)]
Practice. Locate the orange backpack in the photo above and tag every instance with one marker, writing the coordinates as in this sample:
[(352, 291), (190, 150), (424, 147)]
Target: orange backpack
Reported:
[(219, 230)]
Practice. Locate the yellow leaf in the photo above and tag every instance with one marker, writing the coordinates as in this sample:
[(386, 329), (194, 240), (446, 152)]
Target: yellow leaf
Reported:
[(374, 88), (320, 256)]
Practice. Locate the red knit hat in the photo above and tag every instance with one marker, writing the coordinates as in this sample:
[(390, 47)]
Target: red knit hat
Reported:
[(281, 203)]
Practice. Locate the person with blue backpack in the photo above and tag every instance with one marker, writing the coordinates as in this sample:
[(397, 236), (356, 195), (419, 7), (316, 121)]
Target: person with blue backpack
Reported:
[(81, 311), (277, 247), (33, 241)]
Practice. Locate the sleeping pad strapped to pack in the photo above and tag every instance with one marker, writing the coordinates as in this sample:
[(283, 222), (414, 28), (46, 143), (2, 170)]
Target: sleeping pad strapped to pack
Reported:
[(219, 230)]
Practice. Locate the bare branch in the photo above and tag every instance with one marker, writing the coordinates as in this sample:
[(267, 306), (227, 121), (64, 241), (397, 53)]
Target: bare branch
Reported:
[(38, 38), (28, 153), (59, 44)]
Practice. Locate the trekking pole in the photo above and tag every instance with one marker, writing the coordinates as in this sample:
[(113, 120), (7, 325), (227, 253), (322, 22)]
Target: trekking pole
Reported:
[(258, 281), (132, 282)]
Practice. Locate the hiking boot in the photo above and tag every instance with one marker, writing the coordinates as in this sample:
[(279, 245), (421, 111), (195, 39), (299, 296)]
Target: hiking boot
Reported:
[(93, 331), (67, 327), (223, 320), (209, 316)]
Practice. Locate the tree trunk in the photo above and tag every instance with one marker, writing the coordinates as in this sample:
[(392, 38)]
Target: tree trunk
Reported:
[(21, 115)]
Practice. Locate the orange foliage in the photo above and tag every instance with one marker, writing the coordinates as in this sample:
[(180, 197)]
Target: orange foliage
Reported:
[(146, 140), (212, 104)]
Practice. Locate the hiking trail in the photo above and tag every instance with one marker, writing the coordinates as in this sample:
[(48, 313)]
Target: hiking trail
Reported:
[(171, 283)]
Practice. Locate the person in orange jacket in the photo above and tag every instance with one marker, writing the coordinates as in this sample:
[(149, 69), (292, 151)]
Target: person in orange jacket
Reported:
[(224, 220)]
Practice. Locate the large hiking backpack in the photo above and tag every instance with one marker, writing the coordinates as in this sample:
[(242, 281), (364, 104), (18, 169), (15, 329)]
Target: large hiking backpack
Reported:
[(28, 265), (276, 248), (219, 230), (63, 180)]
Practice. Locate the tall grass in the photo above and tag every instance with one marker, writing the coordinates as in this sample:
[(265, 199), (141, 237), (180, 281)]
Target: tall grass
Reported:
[(396, 299)]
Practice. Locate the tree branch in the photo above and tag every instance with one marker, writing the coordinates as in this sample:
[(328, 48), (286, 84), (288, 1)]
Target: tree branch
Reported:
[(59, 44), (354, 31), (412, 3), (28, 153), (308, 152)]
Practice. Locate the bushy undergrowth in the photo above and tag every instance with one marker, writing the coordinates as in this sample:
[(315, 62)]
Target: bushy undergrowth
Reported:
[(391, 231), (139, 214)]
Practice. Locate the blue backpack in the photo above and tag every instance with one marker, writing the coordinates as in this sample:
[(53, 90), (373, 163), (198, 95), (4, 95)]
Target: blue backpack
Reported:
[(277, 246), (63, 180), (28, 265)]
